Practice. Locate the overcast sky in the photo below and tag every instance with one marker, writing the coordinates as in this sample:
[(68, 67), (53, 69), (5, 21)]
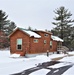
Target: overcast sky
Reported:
[(37, 14)]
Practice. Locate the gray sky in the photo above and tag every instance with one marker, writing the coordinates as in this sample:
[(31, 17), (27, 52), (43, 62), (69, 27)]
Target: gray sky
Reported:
[(34, 13)]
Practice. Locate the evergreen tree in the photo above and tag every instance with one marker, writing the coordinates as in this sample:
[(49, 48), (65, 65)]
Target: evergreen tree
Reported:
[(11, 27), (29, 28), (3, 20), (63, 24), (6, 27), (72, 44), (72, 38)]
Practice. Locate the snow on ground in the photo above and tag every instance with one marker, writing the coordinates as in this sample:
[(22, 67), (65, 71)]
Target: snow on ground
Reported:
[(59, 65), (42, 72), (71, 52), (15, 55), (10, 64), (69, 71)]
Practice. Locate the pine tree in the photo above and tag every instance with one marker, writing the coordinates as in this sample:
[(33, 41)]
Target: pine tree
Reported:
[(11, 27), (63, 22), (6, 27), (64, 26), (29, 28), (3, 20), (3, 23)]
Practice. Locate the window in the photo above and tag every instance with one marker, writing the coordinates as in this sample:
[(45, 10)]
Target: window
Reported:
[(35, 40), (50, 44), (19, 43), (44, 41), (18, 46), (46, 35)]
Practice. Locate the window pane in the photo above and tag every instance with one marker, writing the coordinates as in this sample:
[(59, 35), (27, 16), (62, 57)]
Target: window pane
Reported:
[(19, 41), (50, 43), (35, 40), (50, 46), (44, 41), (46, 34), (18, 46)]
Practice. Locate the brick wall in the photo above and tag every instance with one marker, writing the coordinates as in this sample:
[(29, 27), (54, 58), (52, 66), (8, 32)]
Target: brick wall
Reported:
[(13, 42), (54, 46), (40, 47), (29, 46)]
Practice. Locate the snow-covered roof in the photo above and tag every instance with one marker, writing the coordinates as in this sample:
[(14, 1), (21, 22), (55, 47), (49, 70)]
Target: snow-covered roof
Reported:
[(56, 38), (31, 33)]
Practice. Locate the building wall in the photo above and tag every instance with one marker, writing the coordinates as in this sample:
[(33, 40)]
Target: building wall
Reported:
[(13, 42), (29, 46), (36, 47), (40, 47), (54, 46)]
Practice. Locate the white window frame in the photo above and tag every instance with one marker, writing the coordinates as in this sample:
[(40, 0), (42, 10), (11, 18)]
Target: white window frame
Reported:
[(45, 41), (19, 44), (35, 40), (46, 35), (51, 44)]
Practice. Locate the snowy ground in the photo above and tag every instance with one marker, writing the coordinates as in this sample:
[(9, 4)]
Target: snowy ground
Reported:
[(10, 65)]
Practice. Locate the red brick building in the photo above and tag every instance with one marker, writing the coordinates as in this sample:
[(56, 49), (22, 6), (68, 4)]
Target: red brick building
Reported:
[(24, 41)]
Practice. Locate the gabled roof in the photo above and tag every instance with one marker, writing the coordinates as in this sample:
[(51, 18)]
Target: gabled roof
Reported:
[(42, 31), (29, 32), (56, 38)]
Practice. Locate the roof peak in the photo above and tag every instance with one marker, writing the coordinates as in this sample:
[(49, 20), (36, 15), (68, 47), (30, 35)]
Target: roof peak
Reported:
[(30, 32), (24, 29)]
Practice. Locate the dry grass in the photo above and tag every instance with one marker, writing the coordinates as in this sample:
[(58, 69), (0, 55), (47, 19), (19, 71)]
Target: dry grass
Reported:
[(62, 57), (70, 54), (57, 58)]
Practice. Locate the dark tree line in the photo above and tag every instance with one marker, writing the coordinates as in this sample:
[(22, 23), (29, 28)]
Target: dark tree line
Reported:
[(63, 22), (6, 27), (64, 26)]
